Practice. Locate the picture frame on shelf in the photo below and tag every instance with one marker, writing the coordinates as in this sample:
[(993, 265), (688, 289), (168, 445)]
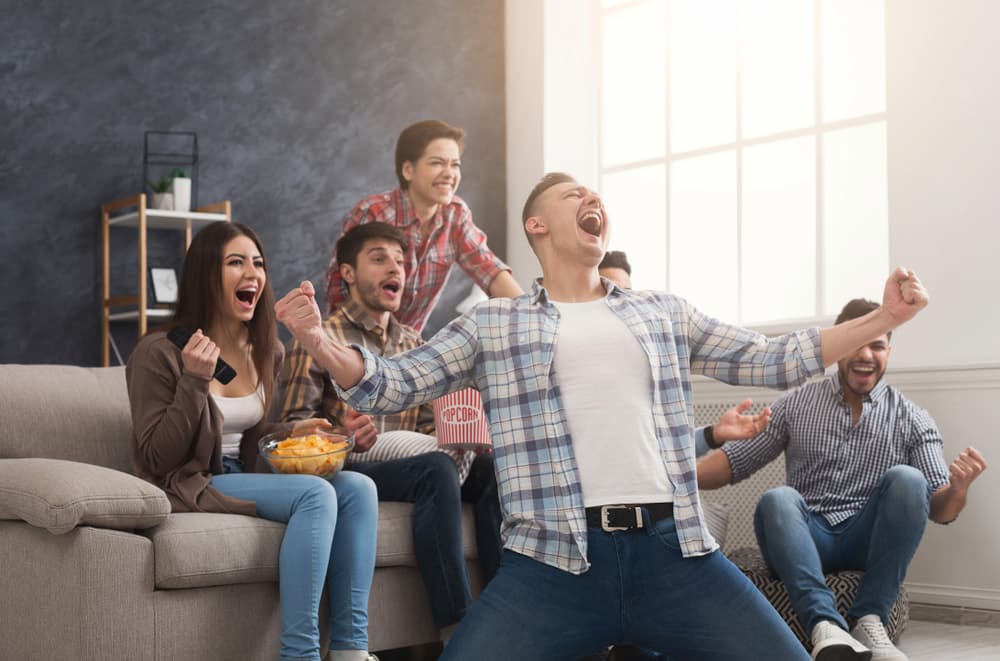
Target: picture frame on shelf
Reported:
[(164, 285)]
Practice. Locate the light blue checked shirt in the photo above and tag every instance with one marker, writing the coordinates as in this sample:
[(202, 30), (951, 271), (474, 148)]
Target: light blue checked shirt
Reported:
[(505, 347), (833, 463)]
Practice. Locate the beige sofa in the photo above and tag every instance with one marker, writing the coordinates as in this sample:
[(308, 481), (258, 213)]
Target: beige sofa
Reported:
[(93, 565)]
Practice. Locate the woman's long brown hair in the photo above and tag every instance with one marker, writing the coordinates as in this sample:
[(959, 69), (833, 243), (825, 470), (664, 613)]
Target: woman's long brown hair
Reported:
[(200, 294)]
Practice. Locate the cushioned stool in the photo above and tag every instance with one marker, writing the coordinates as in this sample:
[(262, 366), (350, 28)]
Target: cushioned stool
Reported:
[(844, 585)]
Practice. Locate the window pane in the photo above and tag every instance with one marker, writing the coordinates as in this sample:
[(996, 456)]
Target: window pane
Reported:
[(855, 215), (633, 79), (702, 73), (636, 204), (703, 250), (853, 58), (778, 69), (779, 231)]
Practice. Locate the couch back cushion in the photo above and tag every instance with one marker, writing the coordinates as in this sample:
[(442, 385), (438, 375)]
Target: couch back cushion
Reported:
[(65, 412)]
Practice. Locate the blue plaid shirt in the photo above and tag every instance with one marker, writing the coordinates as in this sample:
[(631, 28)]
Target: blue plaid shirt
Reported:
[(505, 347), (834, 463)]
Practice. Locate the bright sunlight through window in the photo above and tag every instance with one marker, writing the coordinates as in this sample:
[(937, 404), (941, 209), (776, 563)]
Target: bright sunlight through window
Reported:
[(743, 151)]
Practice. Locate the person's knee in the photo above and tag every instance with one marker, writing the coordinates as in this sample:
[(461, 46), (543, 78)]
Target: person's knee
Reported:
[(361, 487), (439, 472), (905, 487), (778, 503), (319, 494)]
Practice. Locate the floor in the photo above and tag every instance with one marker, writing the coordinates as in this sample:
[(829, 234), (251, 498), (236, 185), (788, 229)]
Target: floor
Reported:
[(922, 641), (936, 641)]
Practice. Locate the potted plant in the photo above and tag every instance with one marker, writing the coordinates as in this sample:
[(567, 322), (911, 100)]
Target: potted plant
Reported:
[(162, 199), (181, 188)]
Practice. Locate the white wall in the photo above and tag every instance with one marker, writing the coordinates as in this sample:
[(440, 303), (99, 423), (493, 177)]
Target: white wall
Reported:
[(943, 68), (552, 107), (943, 102)]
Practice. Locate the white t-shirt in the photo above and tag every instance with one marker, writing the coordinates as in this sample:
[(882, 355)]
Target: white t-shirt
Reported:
[(606, 384), (238, 415)]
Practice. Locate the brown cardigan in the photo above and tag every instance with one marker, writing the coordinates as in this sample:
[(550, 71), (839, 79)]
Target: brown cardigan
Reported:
[(177, 429)]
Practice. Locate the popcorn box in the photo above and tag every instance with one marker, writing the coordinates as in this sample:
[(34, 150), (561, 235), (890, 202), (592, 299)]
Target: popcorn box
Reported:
[(461, 421)]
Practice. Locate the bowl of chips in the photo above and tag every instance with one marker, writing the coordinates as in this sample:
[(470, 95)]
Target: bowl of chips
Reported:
[(320, 453)]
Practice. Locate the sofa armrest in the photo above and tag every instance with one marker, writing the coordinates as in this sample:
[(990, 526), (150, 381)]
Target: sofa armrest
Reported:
[(59, 495)]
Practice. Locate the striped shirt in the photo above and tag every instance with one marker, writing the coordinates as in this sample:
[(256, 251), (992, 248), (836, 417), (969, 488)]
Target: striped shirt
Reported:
[(834, 465), (453, 239), (504, 348)]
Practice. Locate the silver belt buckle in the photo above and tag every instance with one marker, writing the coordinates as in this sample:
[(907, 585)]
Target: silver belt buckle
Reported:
[(607, 527)]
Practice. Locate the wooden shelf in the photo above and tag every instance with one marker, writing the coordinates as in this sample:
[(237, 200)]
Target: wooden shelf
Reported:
[(133, 212), (133, 315), (171, 220)]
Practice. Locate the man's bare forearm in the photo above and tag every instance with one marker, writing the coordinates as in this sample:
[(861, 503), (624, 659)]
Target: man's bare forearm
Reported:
[(714, 471), (840, 340), (344, 363)]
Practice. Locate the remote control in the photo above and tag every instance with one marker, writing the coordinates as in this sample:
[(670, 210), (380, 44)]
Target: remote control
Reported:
[(223, 372)]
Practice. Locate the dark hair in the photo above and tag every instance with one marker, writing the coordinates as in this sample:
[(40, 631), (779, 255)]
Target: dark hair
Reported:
[(349, 245), (414, 139), (615, 259), (549, 180), (200, 293), (857, 307)]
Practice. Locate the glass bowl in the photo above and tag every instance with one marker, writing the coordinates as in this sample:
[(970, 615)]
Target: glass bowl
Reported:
[(320, 453)]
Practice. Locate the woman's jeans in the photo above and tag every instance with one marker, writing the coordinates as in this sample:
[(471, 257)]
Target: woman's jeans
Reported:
[(880, 540), (329, 540), (640, 590), (430, 482)]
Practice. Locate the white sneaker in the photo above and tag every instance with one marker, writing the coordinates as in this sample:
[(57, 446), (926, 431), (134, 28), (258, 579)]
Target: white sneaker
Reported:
[(870, 632), (831, 643)]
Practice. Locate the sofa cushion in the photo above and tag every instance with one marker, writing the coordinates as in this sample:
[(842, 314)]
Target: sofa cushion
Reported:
[(717, 520), (88, 406), (59, 495), (200, 549), (395, 535)]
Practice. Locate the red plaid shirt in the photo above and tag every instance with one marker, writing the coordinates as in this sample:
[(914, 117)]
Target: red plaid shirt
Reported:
[(453, 238)]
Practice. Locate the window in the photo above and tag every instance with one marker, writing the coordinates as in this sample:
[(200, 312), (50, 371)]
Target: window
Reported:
[(742, 151)]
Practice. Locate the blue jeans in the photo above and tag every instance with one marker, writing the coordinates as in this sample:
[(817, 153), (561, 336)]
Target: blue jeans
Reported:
[(430, 482), (329, 541), (880, 540), (640, 590)]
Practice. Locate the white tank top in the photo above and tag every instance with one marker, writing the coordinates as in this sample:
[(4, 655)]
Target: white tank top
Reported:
[(606, 384), (238, 415)]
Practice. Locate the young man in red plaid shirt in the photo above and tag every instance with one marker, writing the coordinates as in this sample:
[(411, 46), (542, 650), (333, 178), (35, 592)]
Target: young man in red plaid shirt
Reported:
[(437, 224)]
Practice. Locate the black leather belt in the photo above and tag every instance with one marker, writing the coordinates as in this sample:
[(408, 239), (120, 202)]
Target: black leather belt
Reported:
[(626, 517)]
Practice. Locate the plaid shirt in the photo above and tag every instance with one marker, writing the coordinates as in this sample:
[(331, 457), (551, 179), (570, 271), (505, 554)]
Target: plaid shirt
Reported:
[(305, 387), (834, 465), (505, 347), (453, 238)]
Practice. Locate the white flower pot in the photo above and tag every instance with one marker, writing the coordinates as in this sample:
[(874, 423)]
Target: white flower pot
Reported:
[(163, 201), (181, 188)]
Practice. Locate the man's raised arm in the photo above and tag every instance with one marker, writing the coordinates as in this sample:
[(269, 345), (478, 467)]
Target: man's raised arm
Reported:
[(904, 296), (298, 311)]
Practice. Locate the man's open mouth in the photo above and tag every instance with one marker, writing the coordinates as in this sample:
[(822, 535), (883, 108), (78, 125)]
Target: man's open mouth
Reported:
[(591, 222), (392, 287)]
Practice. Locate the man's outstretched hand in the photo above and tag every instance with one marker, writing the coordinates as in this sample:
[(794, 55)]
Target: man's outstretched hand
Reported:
[(735, 425), (904, 295)]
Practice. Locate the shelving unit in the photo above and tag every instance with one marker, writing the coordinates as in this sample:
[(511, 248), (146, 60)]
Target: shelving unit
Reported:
[(136, 307)]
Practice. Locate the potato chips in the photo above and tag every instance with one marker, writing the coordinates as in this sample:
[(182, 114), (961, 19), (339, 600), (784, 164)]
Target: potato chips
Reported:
[(313, 455)]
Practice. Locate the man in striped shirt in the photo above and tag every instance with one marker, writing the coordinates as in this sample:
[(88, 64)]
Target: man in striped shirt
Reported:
[(587, 390), (404, 464), (865, 469)]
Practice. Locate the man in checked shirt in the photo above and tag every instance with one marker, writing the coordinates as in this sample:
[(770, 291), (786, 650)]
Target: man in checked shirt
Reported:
[(865, 469), (437, 224), (404, 464), (587, 391)]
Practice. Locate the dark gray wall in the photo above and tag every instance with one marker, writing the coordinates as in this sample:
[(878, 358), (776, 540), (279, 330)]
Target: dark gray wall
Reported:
[(297, 106)]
